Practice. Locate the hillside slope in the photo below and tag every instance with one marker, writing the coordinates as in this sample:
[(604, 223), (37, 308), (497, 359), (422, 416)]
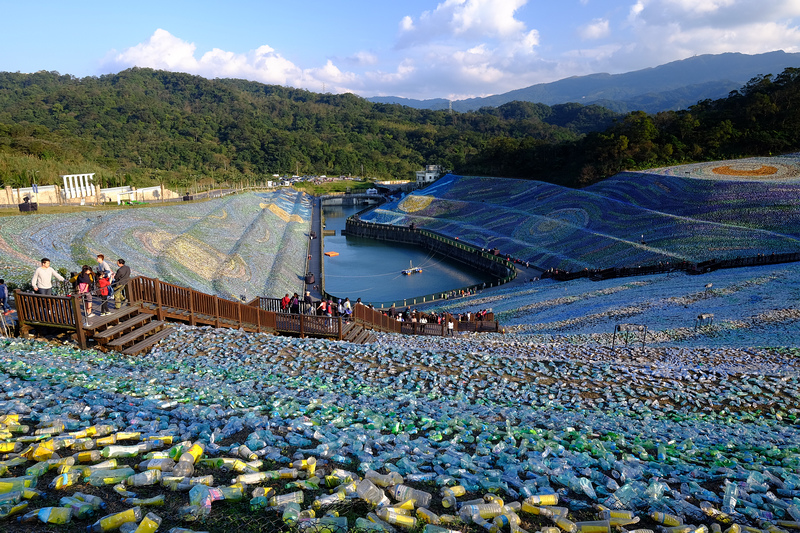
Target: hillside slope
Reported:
[(722, 210)]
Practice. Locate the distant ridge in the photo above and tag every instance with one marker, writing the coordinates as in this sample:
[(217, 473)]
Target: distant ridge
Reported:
[(672, 86)]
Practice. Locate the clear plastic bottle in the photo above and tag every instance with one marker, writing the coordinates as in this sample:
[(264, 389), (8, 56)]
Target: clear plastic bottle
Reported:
[(291, 513), (383, 480), (121, 451), (143, 479), (565, 524), (404, 492), (285, 499), (543, 499), (427, 516), (155, 501), (330, 499), (484, 510), (371, 494), (164, 464), (594, 526)]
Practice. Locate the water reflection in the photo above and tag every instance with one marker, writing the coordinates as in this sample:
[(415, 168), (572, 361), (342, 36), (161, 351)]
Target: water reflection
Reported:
[(372, 270)]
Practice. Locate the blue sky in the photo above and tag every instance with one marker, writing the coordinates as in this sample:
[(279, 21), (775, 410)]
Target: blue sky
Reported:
[(416, 48)]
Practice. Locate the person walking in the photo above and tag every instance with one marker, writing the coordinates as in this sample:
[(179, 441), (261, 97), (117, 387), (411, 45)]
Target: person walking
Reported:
[(120, 281), (42, 281)]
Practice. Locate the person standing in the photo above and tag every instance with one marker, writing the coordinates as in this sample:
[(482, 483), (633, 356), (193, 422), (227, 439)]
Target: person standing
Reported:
[(4, 297), (85, 286), (103, 285), (42, 281), (309, 303), (120, 280), (102, 266)]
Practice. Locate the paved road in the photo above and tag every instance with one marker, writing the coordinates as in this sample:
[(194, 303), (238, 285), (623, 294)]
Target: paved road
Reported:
[(315, 261)]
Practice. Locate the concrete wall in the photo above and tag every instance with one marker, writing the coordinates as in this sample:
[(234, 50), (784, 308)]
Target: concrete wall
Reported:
[(54, 195)]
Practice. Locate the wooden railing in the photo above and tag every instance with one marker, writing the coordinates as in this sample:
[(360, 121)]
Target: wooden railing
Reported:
[(175, 303), (53, 311)]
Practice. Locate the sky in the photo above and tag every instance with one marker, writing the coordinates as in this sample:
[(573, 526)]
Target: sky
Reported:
[(420, 49)]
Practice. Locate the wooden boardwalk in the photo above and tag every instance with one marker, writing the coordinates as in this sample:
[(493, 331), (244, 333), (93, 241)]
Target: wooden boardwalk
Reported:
[(154, 305)]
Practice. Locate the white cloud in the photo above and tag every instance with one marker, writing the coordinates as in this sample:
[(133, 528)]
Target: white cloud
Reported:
[(597, 29), (467, 19), (167, 52)]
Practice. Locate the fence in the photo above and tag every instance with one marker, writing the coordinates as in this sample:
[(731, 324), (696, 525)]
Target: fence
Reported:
[(684, 266)]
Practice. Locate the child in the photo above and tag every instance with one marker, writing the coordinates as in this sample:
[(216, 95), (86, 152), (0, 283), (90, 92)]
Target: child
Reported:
[(103, 283), (4, 297)]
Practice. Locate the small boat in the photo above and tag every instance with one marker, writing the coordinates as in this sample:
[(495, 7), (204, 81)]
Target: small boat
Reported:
[(412, 270), (331, 254)]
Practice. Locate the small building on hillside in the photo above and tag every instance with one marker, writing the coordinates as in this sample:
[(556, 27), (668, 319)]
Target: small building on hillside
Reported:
[(430, 174)]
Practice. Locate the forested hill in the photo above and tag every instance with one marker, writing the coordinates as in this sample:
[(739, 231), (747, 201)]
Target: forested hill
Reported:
[(143, 126), (141, 120)]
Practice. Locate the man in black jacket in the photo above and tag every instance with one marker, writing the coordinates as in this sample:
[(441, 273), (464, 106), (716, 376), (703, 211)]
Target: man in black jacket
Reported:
[(120, 280)]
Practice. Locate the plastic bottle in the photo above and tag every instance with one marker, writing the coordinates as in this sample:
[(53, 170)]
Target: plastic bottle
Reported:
[(427, 516), (666, 518), (143, 479), (721, 516), (330, 499), (113, 521), (163, 464), (309, 465), (371, 494), (49, 515), (10, 509), (403, 492), (594, 526), (291, 513), (149, 524), (543, 499), (383, 480), (110, 477), (155, 501), (63, 481), (95, 501), (394, 518), (121, 451), (80, 509), (484, 510), (285, 499)]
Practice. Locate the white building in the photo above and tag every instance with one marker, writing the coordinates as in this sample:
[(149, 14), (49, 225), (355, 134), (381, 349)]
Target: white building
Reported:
[(430, 174)]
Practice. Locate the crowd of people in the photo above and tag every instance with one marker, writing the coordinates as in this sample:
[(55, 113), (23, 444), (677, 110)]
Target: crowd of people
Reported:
[(103, 284)]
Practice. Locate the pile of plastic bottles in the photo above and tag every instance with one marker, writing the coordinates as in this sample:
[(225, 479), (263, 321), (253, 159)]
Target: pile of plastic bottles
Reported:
[(427, 434)]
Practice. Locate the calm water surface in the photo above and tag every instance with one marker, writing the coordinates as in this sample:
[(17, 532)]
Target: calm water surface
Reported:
[(371, 270)]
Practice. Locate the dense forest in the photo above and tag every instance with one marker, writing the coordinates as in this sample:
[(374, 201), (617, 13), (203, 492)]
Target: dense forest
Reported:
[(143, 126)]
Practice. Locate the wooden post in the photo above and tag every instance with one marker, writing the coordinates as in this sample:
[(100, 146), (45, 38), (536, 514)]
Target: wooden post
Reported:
[(239, 312), (159, 309), (76, 311), (302, 329), (216, 312), (192, 318), (339, 325), (22, 313)]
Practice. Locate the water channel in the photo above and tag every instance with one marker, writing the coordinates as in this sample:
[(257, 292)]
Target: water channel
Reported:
[(372, 270)]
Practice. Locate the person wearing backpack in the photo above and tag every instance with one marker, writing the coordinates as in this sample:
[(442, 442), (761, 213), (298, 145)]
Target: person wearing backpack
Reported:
[(85, 286)]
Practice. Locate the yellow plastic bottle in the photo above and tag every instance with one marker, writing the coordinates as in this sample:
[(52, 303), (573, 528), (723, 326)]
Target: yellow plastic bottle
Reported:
[(113, 521), (149, 524)]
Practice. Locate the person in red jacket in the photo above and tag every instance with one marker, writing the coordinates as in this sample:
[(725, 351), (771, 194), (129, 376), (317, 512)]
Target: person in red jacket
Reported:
[(103, 283)]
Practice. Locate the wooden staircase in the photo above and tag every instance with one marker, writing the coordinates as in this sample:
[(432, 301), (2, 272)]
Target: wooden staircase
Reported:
[(130, 330), (356, 333)]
